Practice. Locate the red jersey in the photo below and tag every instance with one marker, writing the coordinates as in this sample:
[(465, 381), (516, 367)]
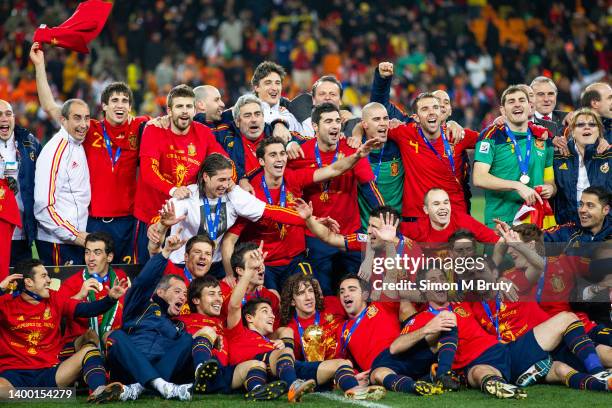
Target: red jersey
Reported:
[(226, 291), (472, 341), (340, 199), (30, 335), (422, 231), (251, 162), (168, 160), (374, 333), (195, 321), (330, 319), (78, 326), (113, 187), (426, 169), (245, 344), (173, 269), (515, 318), (284, 242)]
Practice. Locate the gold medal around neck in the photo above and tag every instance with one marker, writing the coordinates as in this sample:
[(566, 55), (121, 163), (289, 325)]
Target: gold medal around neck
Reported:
[(324, 196), (524, 179)]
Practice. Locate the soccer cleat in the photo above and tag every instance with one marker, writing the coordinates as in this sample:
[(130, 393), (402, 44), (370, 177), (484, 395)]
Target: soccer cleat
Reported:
[(534, 373), (425, 388), (298, 388), (267, 392), (369, 393), (448, 381), (204, 373), (181, 392), (131, 392), (603, 375), (106, 393), (503, 390)]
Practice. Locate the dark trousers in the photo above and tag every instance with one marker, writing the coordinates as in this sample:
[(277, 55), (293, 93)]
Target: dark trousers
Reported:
[(20, 250), (121, 229), (52, 254), (141, 242), (329, 263)]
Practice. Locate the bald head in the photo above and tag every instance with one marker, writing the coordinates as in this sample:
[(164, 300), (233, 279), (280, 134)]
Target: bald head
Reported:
[(7, 120), (375, 120), (445, 104), (208, 100), (598, 96)]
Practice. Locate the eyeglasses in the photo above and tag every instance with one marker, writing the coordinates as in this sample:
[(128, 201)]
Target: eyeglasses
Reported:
[(580, 125)]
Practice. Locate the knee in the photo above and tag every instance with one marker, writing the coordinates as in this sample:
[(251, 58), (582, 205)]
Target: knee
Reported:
[(344, 362), (567, 317), (379, 374), (207, 332), (284, 332), (5, 388)]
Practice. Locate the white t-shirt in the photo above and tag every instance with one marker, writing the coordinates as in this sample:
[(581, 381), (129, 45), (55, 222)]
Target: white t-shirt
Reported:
[(583, 178), (236, 203)]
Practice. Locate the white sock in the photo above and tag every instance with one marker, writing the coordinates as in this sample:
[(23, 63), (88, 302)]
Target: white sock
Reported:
[(162, 386)]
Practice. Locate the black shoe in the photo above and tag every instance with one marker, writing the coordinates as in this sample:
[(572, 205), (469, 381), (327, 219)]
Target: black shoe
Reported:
[(205, 373), (267, 392), (448, 382)]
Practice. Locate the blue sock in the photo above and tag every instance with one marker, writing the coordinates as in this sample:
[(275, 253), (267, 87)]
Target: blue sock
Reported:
[(398, 383)]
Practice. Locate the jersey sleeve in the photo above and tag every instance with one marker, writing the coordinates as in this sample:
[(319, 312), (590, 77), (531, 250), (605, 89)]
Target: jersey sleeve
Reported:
[(549, 173), (416, 322), (238, 227), (485, 151), (470, 139), (480, 231), (246, 205), (302, 178)]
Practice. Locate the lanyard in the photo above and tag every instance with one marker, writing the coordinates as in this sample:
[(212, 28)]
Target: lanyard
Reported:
[(400, 246), (447, 149), (495, 320), (540, 288), (213, 225), (283, 193), (377, 170), (347, 338), (522, 162), (99, 278), (301, 329), (33, 295), (244, 299), (320, 163), (437, 311), (187, 274), (109, 148)]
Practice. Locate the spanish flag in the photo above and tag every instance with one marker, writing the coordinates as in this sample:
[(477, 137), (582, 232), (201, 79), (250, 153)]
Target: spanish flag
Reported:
[(9, 219), (541, 215), (80, 29)]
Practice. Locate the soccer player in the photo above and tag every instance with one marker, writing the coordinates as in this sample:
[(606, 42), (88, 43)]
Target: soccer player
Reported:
[(93, 283), (62, 191), (510, 162), (213, 206), (111, 147), (385, 162), (255, 288), (208, 106), (169, 161), (280, 186), (30, 335), (267, 85), (309, 315), (214, 374), (199, 251), (441, 222), (251, 340), (339, 193), (595, 225), (19, 149), (149, 351)]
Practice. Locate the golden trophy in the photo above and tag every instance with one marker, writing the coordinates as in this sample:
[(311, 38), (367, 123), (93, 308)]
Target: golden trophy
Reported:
[(314, 343)]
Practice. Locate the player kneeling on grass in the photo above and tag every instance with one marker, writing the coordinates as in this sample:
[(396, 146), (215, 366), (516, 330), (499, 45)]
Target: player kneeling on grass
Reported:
[(30, 339), (213, 372), (248, 326), (314, 320)]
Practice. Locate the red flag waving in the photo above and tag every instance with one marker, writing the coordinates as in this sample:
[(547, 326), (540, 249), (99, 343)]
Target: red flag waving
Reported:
[(80, 29), (9, 218)]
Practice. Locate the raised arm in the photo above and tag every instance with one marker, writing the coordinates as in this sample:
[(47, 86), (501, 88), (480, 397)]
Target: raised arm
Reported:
[(45, 96), (234, 308), (346, 163), (321, 231)]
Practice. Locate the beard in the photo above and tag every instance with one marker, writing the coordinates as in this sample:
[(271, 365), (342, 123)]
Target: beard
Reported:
[(177, 123)]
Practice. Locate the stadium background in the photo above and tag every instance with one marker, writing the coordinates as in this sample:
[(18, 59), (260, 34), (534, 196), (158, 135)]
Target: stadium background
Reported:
[(471, 48)]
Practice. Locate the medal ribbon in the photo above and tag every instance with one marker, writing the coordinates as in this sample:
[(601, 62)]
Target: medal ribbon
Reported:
[(187, 274), (301, 329), (244, 299), (213, 225), (346, 339), (320, 162), (109, 317), (540, 287), (35, 296), (109, 148), (437, 311), (282, 200), (447, 149), (495, 320), (377, 170), (522, 162)]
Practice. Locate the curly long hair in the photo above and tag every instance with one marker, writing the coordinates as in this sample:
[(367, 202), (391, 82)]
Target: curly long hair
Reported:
[(291, 288)]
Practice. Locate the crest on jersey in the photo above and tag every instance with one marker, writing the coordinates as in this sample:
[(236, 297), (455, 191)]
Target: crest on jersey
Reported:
[(394, 169), (461, 312), (157, 313), (557, 284), (47, 313), (191, 149), (539, 144), (329, 317), (133, 141), (2, 193), (372, 311), (604, 168)]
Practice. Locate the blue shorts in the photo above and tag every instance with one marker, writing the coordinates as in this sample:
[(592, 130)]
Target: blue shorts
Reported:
[(222, 384), (42, 377), (276, 276), (307, 370), (413, 363), (512, 359)]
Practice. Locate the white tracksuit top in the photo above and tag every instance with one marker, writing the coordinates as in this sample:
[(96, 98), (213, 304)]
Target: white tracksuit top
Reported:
[(62, 191)]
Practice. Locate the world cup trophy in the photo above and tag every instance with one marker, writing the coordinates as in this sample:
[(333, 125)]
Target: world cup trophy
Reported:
[(314, 343)]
